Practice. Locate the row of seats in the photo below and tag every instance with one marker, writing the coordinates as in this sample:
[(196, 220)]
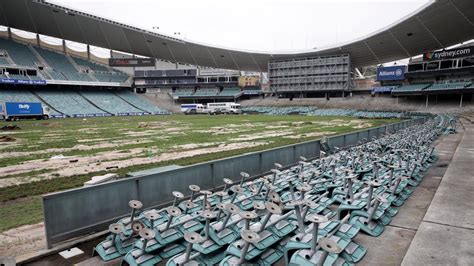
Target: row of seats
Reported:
[(207, 92), (21, 95), (314, 111), (19, 53), (411, 88), (69, 102), (421, 87), (140, 102), (448, 86), (109, 102), (91, 102), (60, 66)]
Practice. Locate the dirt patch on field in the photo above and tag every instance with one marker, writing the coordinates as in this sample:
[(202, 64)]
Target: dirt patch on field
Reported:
[(191, 146), (62, 166), (78, 147), (158, 125), (277, 127), (7, 139), (308, 135), (263, 135), (354, 123), (23, 240), (145, 133), (219, 131), (89, 130)]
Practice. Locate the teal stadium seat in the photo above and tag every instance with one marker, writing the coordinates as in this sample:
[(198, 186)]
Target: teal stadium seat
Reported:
[(21, 95), (231, 92), (19, 53), (140, 102), (68, 102), (109, 102)]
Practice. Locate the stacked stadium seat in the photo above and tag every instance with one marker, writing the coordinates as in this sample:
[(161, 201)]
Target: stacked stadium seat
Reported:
[(139, 102), (109, 102), (306, 214)]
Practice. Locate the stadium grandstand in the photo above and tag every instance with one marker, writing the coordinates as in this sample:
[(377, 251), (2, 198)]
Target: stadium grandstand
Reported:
[(323, 183)]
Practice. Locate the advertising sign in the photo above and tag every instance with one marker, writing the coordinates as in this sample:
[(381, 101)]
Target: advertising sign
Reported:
[(22, 81), (449, 54), (391, 73), (131, 62), (23, 108)]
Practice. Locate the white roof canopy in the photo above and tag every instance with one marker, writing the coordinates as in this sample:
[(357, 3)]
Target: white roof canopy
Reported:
[(436, 25)]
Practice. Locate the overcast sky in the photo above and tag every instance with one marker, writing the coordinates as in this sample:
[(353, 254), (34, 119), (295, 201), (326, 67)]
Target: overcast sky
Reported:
[(258, 25)]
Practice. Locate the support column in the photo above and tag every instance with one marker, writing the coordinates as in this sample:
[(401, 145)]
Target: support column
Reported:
[(460, 102), (111, 54), (88, 52), (64, 46), (397, 99), (426, 105), (9, 33), (38, 40)]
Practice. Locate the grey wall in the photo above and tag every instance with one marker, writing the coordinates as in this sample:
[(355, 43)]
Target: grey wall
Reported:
[(86, 210)]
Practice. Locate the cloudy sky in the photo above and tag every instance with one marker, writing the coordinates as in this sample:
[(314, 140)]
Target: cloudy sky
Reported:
[(257, 25)]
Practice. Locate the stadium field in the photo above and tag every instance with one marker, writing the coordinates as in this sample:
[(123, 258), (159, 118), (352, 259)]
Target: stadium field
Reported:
[(53, 155)]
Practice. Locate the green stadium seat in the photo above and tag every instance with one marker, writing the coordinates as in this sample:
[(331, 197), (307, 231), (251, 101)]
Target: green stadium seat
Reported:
[(140, 102), (109, 101)]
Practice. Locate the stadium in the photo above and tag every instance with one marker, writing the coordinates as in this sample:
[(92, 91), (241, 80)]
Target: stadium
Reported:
[(123, 145)]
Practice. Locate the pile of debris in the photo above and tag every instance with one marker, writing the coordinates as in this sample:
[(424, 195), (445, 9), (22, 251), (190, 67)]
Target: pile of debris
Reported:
[(7, 139), (10, 127)]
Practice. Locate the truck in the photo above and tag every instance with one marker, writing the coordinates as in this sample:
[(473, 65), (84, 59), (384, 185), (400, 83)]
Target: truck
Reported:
[(211, 108), (224, 108), (11, 111)]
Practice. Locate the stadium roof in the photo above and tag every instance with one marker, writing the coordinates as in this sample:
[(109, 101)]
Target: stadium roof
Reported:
[(436, 25)]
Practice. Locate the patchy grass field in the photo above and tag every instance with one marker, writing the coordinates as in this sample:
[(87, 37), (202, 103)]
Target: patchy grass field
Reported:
[(53, 155)]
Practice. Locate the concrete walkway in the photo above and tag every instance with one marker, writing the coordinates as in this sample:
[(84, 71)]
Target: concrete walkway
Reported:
[(392, 245), (446, 233)]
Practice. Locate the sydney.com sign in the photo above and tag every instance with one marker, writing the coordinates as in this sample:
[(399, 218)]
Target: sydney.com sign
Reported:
[(391, 73), (449, 54)]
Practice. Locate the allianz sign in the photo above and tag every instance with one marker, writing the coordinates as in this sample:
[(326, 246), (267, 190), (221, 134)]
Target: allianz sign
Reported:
[(391, 73)]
